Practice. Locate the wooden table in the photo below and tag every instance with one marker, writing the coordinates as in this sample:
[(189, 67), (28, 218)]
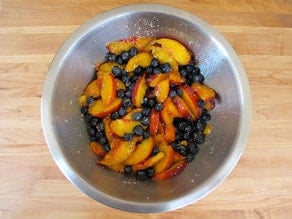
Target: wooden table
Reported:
[(31, 185)]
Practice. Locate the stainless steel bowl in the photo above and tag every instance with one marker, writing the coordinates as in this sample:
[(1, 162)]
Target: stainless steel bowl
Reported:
[(73, 67)]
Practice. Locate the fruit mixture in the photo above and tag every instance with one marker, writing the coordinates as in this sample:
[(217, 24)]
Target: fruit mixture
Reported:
[(147, 108)]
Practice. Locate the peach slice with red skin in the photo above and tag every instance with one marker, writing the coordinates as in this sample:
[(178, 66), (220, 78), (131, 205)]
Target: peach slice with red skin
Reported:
[(154, 122), (98, 109), (190, 98), (207, 94), (177, 50), (97, 149), (169, 111), (117, 47), (108, 87), (169, 133), (139, 91), (173, 170), (154, 79), (109, 133), (161, 90), (143, 59), (167, 160), (175, 78), (119, 153), (182, 107), (142, 152)]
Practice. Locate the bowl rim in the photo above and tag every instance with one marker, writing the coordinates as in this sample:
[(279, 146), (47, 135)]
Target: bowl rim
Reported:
[(145, 207)]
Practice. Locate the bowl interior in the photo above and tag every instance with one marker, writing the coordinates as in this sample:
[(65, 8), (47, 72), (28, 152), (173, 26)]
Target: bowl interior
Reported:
[(65, 130)]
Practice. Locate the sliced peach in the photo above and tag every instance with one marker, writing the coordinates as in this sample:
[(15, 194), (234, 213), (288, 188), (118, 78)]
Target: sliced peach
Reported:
[(169, 111), (117, 47), (98, 109), (97, 149), (92, 89), (118, 168), (142, 42), (177, 50), (154, 122), (119, 153), (161, 90), (143, 59), (149, 162), (182, 107), (142, 152), (139, 91), (164, 56), (120, 84), (167, 160), (190, 98), (122, 126), (175, 78), (109, 133), (177, 157), (207, 94), (169, 133), (175, 169), (107, 66), (108, 87), (154, 79), (208, 129)]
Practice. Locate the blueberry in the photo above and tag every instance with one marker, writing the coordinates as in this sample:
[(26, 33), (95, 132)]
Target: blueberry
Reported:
[(100, 127), (146, 134), (145, 102), (199, 78), (121, 93), (87, 118), (128, 93), (84, 110), (200, 125), (128, 136), (90, 100), (102, 140), (138, 130), (111, 57), (181, 149), (186, 136), (179, 92), (196, 70), (106, 147), (172, 93), (98, 134), (141, 175), (126, 102), (150, 171), (145, 121), (183, 72), (155, 151), (182, 126), (156, 70), (189, 129), (116, 71), (122, 111), (149, 70), (133, 51), (119, 60), (165, 67), (201, 103), (128, 170), (190, 157), (125, 56), (154, 63), (126, 80), (198, 138), (115, 115), (137, 116), (205, 117), (94, 121), (158, 106), (146, 111), (151, 102), (193, 148), (138, 70), (91, 131), (92, 138)]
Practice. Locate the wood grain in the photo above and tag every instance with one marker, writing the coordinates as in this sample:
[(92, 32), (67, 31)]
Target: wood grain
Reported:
[(31, 185)]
